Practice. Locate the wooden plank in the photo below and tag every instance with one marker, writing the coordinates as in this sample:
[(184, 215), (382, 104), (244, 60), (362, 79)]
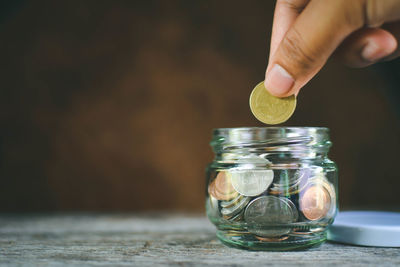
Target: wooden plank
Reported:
[(153, 240)]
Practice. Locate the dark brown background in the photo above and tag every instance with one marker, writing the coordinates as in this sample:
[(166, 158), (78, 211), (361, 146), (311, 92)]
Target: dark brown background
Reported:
[(109, 105)]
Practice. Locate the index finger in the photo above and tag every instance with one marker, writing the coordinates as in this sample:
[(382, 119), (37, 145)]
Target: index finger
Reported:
[(286, 12)]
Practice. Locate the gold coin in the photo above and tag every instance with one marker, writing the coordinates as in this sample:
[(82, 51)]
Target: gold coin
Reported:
[(270, 109)]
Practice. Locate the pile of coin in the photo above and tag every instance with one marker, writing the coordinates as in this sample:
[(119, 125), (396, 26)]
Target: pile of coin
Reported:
[(268, 201)]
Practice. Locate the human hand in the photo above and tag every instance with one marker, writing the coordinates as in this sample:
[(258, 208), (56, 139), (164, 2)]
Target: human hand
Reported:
[(306, 33)]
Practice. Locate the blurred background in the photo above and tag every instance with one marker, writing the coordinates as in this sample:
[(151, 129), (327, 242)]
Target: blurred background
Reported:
[(109, 105)]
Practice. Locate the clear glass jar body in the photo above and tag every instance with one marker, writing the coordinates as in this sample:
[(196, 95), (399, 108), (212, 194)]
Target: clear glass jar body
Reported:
[(271, 188)]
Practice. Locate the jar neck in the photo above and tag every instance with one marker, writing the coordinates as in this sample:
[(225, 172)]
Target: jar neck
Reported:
[(271, 143)]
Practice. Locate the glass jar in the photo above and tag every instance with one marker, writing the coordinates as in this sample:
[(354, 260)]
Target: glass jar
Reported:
[(271, 188)]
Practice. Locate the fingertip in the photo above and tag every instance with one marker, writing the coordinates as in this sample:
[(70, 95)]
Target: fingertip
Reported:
[(278, 81), (367, 46), (379, 47)]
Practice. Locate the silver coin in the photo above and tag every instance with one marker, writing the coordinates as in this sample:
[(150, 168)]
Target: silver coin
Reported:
[(295, 183), (293, 208), (251, 182), (232, 211), (238, 217), (212, 207), (269, 216), (230, 203)]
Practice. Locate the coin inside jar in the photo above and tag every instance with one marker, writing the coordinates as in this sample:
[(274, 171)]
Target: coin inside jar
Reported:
[(212, 206), (315, 202), (251, 182), (296, 183), (267, 216), (272, 239), (232, 202), (238, 208), (221, 188)]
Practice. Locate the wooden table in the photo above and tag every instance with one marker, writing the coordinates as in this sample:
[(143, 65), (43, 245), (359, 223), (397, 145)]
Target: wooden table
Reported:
[(153, 240)]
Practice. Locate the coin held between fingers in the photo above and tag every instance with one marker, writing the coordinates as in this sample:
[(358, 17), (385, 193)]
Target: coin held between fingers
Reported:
[(270, 109), (278, 80)]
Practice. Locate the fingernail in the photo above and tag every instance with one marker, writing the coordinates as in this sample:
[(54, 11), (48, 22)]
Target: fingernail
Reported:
[(372, 52), (278, 81)]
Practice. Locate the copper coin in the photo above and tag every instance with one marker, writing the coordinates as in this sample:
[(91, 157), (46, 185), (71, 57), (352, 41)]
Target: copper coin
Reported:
[(223, 184), (221, 188), (315, 202), (271, 239)]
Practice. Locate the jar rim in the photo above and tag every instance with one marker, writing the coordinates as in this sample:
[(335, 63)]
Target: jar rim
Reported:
[(310, 128), (283, 137)]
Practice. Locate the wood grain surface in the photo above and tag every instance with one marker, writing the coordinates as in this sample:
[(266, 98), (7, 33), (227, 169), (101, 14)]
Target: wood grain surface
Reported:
[(153, 240)]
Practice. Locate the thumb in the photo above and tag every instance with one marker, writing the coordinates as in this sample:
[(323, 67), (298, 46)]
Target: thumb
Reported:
[(307, 45)]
